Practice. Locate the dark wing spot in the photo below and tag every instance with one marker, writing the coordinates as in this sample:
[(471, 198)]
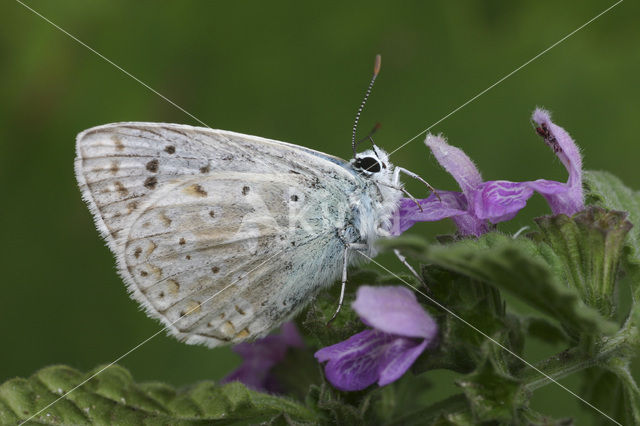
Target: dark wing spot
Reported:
[(121, 189), (143, 273), (205, 169), (161, 294), (114, 167), (238, 310), (188, 257), (294, 198), (137, 252), (212, 213), (170, 149), (118, 142), (182, 242), (151, 182), (196, 190), (215, 269), (152, 166), (245, 190), (132, 206)]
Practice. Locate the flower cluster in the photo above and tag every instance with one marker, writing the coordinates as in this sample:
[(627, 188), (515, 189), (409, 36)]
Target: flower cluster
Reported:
[(480, 204)]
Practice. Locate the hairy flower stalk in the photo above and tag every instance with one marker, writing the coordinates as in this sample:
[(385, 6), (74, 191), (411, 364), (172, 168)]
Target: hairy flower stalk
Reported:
[(480, 204)]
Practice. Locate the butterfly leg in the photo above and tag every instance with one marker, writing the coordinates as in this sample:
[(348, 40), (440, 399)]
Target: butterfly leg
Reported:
[(410, 268), (396, 179), (345, 264)]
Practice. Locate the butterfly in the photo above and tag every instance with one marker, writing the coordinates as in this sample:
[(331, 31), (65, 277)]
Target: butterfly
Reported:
[(223, 236)]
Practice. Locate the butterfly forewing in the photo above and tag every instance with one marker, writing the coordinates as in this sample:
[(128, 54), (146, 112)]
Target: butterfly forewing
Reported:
[(221, 236)]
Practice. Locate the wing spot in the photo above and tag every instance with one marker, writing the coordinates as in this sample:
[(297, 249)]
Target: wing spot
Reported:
[(238, 310), (205, 169), (294, 198), (182, 241), (188, 257), (215, 269), (167, 221), (132, 206), (137, 252), (170, 149), (193, 307), (118, 142), (196, 190), (174, 287), (143, 273), (245, 190), (152, 166), (121, 189), (152, 247), (212, 213), (228, 328), (244, 333), (161, 295), (114, 167), (151, 182), (222, 315)]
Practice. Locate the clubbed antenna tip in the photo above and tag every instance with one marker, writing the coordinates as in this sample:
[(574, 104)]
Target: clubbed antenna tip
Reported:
[(376, 70)]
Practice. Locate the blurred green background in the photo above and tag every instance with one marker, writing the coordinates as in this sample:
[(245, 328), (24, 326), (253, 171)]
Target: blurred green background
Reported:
[(291, 71)]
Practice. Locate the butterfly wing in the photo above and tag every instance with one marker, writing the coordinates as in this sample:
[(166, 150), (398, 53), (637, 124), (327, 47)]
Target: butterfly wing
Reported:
[(219, 235)]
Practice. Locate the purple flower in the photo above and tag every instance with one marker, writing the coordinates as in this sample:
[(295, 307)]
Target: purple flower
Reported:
[(402, 330), (261, 356), (481, 204)]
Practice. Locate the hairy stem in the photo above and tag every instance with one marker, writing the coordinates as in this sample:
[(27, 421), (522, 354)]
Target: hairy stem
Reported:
[(575, 359)]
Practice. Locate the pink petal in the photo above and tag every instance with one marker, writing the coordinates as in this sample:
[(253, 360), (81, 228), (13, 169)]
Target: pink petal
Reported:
[(500, 200), (558, 139), (353, 364), (456, 162), (394, 310), (448, 204), (368, 357), (398, 357)]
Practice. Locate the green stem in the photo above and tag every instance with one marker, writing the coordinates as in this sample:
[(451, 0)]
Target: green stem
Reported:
[(573, 360)]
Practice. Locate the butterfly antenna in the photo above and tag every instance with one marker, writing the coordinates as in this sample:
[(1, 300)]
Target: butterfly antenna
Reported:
[(376, 70), (369, 136)]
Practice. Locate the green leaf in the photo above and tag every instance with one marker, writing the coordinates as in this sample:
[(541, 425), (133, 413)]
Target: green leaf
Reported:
[(544, 330), (461, 348), (113, 397), (533, 418), (451, 411), (492, 394), (604, 390), (522, 267), (608, 191), (589, 245)]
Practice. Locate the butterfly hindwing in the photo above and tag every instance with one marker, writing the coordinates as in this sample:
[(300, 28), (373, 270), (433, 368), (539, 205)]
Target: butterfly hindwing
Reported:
[(221, 236)]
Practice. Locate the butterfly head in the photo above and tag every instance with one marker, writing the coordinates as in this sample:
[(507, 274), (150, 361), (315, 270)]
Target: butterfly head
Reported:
[(372, 162)]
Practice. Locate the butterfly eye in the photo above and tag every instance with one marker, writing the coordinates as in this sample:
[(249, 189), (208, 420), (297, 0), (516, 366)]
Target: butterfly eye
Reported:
[(369, 164)]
